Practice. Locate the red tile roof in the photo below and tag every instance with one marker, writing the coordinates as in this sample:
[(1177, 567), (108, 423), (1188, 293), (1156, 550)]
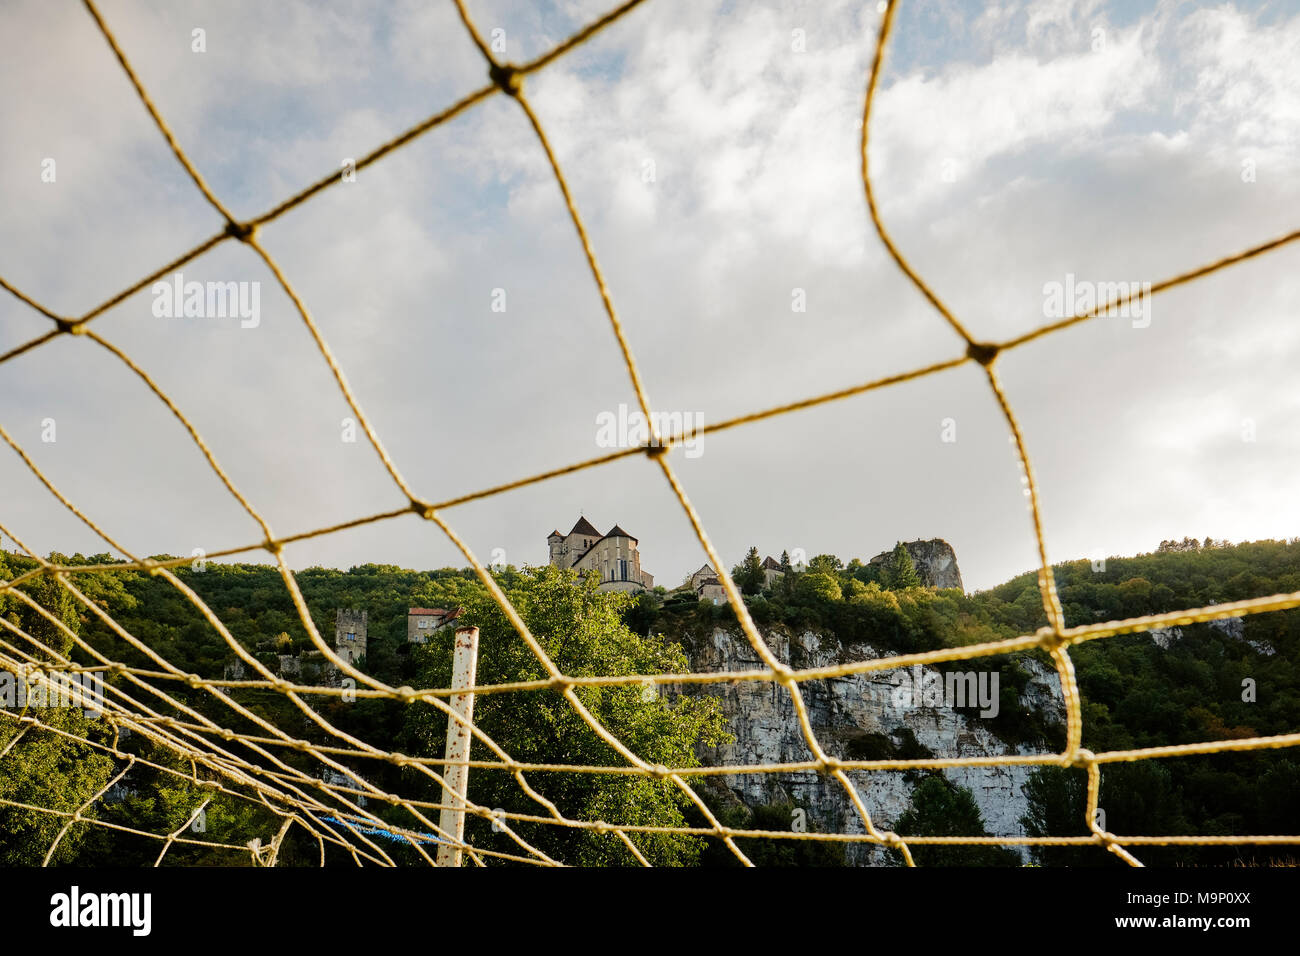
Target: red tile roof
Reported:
[(433, 612)]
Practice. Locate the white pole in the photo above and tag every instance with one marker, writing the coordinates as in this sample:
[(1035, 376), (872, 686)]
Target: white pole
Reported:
[(464, 667)]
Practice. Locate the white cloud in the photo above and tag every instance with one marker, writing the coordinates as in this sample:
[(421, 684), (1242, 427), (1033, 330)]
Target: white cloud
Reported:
[(1120, 163)]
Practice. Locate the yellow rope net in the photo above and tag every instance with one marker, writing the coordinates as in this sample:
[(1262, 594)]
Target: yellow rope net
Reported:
[(315, 801)]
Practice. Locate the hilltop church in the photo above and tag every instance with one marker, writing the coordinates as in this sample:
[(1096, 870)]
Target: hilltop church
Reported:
[(613, 556)]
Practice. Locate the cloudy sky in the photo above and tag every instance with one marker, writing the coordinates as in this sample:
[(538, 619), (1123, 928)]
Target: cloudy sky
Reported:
[(714, 153)]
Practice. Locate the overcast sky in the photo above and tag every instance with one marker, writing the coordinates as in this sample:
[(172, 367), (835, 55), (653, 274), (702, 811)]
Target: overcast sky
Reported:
[(1012, 144)]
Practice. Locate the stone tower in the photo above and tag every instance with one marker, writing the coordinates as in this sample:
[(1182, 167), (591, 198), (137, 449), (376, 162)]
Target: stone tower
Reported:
[(350, 635)]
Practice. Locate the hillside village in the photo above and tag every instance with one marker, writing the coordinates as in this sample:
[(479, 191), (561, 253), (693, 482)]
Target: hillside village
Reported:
[(351, 639), (615, 559), (1157, 687)]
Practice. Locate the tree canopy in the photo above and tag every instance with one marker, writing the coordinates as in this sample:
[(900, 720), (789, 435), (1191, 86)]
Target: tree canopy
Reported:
[(582, 630), (900, 571), (1223, 680)]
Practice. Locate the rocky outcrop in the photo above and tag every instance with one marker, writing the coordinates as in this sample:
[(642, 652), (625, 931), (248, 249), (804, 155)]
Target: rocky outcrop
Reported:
[(852, 717), (935, 561), (1231, 627)]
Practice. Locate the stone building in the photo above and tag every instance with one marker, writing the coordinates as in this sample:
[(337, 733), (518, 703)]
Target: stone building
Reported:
[(424, 621), (707, 585), (350, 635), (771, 572), (612, 556)]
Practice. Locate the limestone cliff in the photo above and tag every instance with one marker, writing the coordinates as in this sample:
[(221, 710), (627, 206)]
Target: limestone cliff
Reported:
[(935, 561), (1233, 627), (844, 713)]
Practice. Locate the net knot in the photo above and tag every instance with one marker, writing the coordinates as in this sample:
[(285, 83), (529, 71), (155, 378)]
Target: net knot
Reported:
[(406, 693), (243, 231), (658, 450), (1083, 758), (982, 352), (783, 676), (1049, 640), (70, 327), (507, 78)]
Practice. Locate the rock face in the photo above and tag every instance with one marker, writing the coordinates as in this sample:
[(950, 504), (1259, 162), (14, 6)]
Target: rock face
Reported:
[(1232, 627), (844, 713), (935, 561)]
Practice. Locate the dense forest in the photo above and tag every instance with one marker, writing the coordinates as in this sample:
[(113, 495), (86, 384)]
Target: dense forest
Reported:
[(1207, 682)]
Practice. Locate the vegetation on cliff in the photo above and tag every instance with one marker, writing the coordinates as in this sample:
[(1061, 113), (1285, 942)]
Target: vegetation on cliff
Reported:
[(1136, 692)]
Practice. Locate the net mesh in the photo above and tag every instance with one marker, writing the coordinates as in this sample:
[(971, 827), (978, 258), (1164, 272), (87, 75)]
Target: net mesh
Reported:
[(324, 804)]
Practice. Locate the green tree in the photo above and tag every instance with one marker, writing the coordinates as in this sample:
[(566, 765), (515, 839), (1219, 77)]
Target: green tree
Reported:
[(826, 564), (47, 768), (44, 632), (581, 630), (748, 575), (785, 587), (818, 587), (940, 808), (900, 572), (162, 803), (1056, 800), (802, 853)]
